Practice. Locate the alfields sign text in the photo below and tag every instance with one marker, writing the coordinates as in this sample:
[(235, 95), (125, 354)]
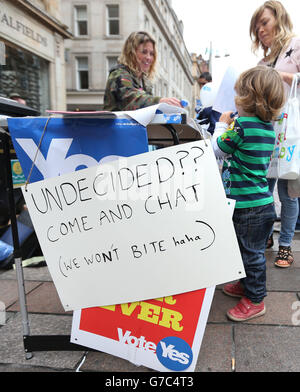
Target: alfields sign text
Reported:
[(17, 25)]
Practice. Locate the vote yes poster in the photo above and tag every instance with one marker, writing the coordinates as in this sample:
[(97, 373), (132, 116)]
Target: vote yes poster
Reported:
[(164, 334)]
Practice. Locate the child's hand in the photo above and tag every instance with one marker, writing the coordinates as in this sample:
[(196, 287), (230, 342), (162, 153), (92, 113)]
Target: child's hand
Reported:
[(226, 117)]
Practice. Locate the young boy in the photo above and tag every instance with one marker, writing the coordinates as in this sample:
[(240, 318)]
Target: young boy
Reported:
[(247, 146)]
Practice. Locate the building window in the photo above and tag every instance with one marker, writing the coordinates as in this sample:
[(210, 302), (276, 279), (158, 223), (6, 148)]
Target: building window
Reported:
[(159, 88), (111, 61), (173, 72), (82, 73), (160, 50), (81, 23), (154, 33), (146, 23), (113, 21), (165, 59), (28, 75)]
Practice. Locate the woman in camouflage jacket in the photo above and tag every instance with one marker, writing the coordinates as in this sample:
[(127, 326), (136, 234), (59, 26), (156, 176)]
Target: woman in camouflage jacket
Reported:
[(128, 86)]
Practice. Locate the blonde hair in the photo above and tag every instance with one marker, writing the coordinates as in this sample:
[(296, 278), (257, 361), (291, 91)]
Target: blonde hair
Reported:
[(283, 30), (260, 91), (128, 56)]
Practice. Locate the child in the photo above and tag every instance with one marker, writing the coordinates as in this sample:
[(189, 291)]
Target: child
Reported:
[(247, 146)]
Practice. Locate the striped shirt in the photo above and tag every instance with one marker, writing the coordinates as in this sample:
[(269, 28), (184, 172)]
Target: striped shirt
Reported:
[(250, 143)]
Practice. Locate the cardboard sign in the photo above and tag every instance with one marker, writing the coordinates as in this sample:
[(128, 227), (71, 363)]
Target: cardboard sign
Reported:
[(149, 226), (164, 334)]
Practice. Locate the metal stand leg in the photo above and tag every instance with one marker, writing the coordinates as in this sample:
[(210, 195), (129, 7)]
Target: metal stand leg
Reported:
[(15, 235), (22, 300)]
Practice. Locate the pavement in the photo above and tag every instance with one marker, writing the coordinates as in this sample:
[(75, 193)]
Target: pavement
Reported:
[(270, 343)]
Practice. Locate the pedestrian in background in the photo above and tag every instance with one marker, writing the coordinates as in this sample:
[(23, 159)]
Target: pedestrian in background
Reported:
[(204, 78), (129, 83), (17, 97), (271, 29), (206, 116), (247, 146)]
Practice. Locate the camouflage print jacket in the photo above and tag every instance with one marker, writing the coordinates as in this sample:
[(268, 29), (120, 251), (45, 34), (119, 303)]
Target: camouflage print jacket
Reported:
[(124, 92)]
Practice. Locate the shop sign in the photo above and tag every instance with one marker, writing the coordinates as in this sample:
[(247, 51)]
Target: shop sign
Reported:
[(23, 30)]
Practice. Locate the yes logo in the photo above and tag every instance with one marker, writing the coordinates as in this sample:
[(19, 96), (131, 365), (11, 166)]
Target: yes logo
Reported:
[(174, 353), (57, 160), (71, 144)]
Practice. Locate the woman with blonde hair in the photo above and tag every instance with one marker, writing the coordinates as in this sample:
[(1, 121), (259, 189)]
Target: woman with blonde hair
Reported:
[(271, 29), (128, 86)]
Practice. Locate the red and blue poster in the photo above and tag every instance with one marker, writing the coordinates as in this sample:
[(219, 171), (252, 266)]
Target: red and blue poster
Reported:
[(164, 334)]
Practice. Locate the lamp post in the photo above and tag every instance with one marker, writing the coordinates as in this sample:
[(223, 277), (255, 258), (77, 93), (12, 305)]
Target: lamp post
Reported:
[(215, 54)]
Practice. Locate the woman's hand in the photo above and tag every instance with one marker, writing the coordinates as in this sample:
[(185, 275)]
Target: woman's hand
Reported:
[(226, 117), (171, 101)]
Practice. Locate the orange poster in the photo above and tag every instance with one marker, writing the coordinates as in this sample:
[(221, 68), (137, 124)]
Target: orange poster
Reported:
[(164, 334)]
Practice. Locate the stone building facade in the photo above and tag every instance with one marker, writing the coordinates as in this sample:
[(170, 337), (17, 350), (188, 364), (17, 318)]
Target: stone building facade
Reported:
[(100, 28), (34, 63)]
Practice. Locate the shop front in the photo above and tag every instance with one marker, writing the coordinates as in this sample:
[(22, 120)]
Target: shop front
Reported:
[(33, 68)]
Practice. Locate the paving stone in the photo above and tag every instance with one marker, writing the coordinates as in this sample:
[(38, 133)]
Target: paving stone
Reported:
[(279, 309), (216, 349), (30, 273), (102, 362), (296, 242), (9, 368), (44, 299), (220, 304), (283, 279), (9, 291), (267, 348), (278, 305), (12, 349)]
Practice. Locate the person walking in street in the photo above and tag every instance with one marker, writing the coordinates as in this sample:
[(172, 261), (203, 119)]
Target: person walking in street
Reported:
[(128, 86), (206, 116), (204, 78), (271, 29), (246, 147), (17, 97)]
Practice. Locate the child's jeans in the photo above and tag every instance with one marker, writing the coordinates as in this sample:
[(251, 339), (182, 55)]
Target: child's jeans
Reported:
[(253, 227)]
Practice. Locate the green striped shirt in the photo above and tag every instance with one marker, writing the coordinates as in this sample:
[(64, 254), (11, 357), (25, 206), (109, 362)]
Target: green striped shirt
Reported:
[(250, 143)]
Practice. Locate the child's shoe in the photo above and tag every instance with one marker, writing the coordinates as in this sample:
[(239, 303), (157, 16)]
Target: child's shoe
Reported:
[(234, 289), (246, 310)]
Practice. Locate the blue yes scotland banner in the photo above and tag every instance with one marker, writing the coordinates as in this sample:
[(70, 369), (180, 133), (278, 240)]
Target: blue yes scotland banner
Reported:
[(71, 144)]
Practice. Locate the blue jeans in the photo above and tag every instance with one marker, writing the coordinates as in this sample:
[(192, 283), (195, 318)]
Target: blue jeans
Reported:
[(298, 220), (289, 211), (253, 227)]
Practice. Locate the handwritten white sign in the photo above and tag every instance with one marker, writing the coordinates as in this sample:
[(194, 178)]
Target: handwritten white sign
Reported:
[(144, 227)]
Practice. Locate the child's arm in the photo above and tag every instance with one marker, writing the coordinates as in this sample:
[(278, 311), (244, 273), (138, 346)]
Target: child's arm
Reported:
[(221, 127)]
